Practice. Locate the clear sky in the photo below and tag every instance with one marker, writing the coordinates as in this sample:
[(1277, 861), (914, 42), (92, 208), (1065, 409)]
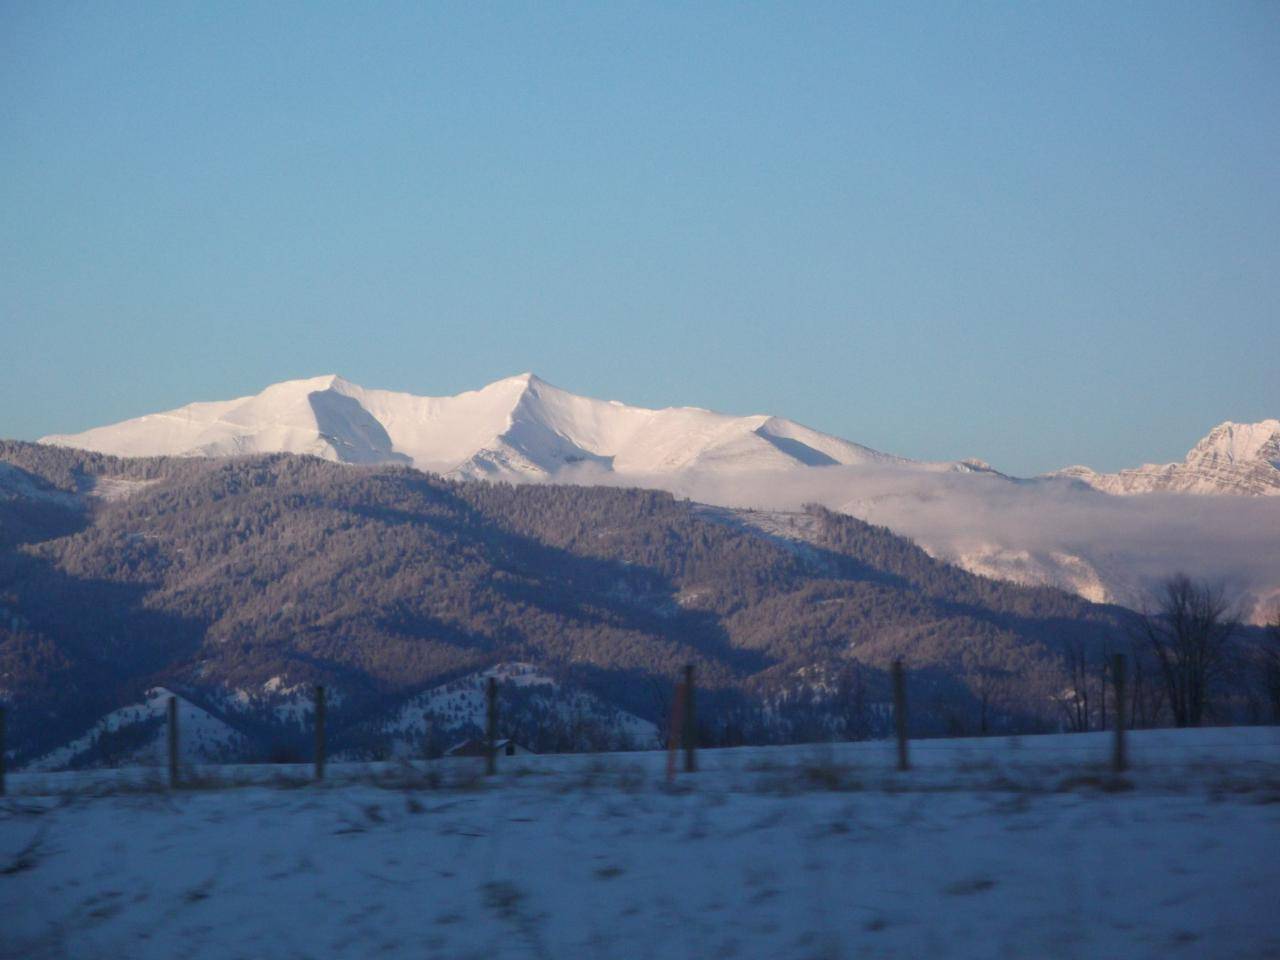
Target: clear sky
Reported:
[(1039, 234)]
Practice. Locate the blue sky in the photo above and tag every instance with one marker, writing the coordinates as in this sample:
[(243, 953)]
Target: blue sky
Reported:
[(1034, 233)]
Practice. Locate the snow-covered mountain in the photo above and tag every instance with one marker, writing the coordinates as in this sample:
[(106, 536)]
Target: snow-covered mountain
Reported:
[(520, 428), (1237, 458), (523, 428), (1063, 529)]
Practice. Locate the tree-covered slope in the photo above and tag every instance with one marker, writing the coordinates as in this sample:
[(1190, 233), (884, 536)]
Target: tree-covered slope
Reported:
[(230, 579)]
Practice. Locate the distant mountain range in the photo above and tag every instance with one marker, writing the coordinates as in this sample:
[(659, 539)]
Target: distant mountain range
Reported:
[(520, 428), (1041, 530), (523, 428)]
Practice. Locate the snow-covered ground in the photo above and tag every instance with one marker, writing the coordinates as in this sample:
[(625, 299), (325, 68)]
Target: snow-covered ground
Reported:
[(987, 848)]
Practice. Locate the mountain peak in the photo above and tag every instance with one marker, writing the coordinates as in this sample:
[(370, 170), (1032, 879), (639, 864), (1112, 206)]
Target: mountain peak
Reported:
[(518, 428), (523, 428), (1240, 443), (326, 381), (337, 382), (515, 386), (524, 379), (1232, 458)]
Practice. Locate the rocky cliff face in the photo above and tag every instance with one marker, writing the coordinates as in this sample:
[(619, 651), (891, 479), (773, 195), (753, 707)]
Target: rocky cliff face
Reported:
[(1234, 458)]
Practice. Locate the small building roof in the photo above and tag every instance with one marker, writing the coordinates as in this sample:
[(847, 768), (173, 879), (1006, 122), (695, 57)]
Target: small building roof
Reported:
[(480, 748)]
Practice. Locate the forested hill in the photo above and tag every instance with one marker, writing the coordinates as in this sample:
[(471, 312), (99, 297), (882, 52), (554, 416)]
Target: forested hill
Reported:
[(230, 579)]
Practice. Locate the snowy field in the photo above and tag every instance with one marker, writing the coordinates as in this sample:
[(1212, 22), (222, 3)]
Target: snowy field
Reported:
[(987, 848)]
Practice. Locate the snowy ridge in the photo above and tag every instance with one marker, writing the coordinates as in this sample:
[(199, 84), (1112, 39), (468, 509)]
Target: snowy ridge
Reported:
[(520, 428), (204, 738), (523, 428), (1237, 458), (529, 699), (276, 702)]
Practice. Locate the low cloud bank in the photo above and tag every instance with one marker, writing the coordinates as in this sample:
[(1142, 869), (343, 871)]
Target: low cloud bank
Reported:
[(1056, 531)]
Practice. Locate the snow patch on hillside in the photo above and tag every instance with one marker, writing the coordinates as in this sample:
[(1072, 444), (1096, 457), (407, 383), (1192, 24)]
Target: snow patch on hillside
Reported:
[(17, 484), (112, 489), (456, 710), (204, 738)]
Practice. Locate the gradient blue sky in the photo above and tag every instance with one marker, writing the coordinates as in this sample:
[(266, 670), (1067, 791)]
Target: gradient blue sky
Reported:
[(1034, 233)]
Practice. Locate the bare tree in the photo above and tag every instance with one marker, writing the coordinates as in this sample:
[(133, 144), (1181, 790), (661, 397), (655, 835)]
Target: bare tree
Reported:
[(1191, 634), (1075, 701), (1146, 690), (1104, 679), (988, 679)]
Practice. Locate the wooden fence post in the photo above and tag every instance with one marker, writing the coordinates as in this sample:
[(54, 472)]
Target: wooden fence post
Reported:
[(320, 744), (675, 730), (690, 723), (173, 742), (900, 712), (1119, 759), (491, 727)]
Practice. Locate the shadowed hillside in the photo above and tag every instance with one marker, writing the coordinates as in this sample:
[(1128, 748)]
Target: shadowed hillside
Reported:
[(231, 579)]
